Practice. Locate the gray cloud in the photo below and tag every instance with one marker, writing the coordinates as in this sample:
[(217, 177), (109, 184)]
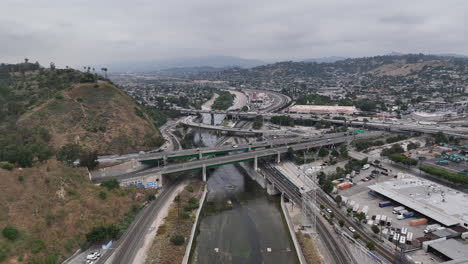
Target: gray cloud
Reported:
[(77, 32)]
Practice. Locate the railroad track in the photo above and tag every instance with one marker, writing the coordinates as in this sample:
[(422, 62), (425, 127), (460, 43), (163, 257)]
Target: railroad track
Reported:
[(294, 194), (389, 256)]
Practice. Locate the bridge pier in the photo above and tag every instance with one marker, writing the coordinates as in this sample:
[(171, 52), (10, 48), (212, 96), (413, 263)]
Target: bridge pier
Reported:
[(255, 163), (212, 119), (165, 160), (271, 190), (200, 155), (278, 158), (204, 172)]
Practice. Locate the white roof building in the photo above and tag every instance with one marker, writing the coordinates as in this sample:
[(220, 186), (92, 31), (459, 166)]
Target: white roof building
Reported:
[(442, 204), (322, 109)]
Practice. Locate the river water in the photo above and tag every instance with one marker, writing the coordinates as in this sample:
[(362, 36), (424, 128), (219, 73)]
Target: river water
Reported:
[(240, 222)]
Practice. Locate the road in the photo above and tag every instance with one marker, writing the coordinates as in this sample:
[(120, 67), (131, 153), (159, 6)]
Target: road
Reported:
[(243, 156), (221, 148), (461, 132), (132, 240)]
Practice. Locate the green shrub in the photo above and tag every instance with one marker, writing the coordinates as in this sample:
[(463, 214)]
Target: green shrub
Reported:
[(189, 188), (111, 184), (177, 240), (103, 233), (37, 246), (453, 177), (151, 197), (103, 195), (10, 233), (7, 166)]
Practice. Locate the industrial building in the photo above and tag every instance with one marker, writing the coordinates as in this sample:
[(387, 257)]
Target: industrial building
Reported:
[(445, 205), (451, 250), (428, 117), (321, 109), (259, 97)]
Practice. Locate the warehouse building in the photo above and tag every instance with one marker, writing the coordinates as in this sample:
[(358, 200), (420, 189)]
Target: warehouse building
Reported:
[(321, 109), (451, 250), (434, 117), (445, 205)]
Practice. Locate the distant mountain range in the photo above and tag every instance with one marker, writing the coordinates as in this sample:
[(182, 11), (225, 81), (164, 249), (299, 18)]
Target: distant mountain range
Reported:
[(215, 61)]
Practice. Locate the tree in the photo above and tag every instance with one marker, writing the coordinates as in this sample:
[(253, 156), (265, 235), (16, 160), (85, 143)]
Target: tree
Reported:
[(360, 216), (338, 200), (290, 153), (102, 233), (341, 222), (343, 150), (370, 245), (375, 229), (323, 152), (69, 153), (10, 233), (89, 160)]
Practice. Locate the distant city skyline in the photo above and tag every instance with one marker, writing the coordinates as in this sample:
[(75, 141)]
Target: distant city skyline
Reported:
[(84, 32)]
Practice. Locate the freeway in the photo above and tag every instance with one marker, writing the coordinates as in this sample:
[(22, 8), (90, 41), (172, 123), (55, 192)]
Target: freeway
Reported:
[(132, 240), (234, 158), (459, 131), (211, 150)]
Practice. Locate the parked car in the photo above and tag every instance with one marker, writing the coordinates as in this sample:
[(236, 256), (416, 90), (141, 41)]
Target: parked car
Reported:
[(352, 229)]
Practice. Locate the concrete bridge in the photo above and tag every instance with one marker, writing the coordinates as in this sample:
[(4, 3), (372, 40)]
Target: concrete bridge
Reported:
[(154, 175), (460, 132)]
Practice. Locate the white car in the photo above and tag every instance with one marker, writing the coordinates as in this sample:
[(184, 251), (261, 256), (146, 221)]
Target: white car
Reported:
[(235, 146), (351, 229), (93, 256)]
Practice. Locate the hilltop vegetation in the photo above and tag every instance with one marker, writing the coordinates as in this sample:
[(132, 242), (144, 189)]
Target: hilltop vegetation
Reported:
[(49, 209), (44, 109)]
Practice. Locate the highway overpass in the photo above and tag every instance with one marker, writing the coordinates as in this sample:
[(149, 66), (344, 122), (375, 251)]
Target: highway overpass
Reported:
[(461, 132), (154, 174)]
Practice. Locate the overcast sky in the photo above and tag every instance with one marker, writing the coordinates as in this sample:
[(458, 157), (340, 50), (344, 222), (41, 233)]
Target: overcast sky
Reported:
[(77, 32)]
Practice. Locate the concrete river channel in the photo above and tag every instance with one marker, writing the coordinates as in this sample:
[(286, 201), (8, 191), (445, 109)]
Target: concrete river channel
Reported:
[(240, 223)]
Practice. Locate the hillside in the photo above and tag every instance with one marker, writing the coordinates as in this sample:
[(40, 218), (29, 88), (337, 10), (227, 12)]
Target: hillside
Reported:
[(49, 210), (74, 107), (53, 207)]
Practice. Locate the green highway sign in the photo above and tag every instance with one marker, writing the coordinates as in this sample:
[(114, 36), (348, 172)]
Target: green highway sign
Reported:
[(359, 131)]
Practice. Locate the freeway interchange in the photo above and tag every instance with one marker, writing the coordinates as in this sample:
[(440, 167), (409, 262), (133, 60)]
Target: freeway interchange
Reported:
[(242, 154)]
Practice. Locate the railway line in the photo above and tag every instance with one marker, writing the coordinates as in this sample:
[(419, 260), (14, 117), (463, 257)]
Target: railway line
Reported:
[(293, 193)]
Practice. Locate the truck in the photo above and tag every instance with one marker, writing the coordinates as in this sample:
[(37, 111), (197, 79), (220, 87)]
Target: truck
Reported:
[(385, 203), (377, 219), (405, 215), (397, 209), (356, 207), (389, 221), (365, 209), (403, 212), (442, 162), (431, 228), (383, 220)]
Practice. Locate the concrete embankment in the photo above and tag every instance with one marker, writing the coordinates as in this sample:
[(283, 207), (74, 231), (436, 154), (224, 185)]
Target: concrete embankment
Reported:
[(299, 253), (194, 227)]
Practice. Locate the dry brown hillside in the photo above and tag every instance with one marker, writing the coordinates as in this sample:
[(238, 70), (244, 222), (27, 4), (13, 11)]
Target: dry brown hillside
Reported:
[(97, 116), (53, 207), (402, 68)]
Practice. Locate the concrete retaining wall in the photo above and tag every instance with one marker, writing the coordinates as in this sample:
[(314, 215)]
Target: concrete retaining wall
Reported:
[(299, 253), (194, 228)]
